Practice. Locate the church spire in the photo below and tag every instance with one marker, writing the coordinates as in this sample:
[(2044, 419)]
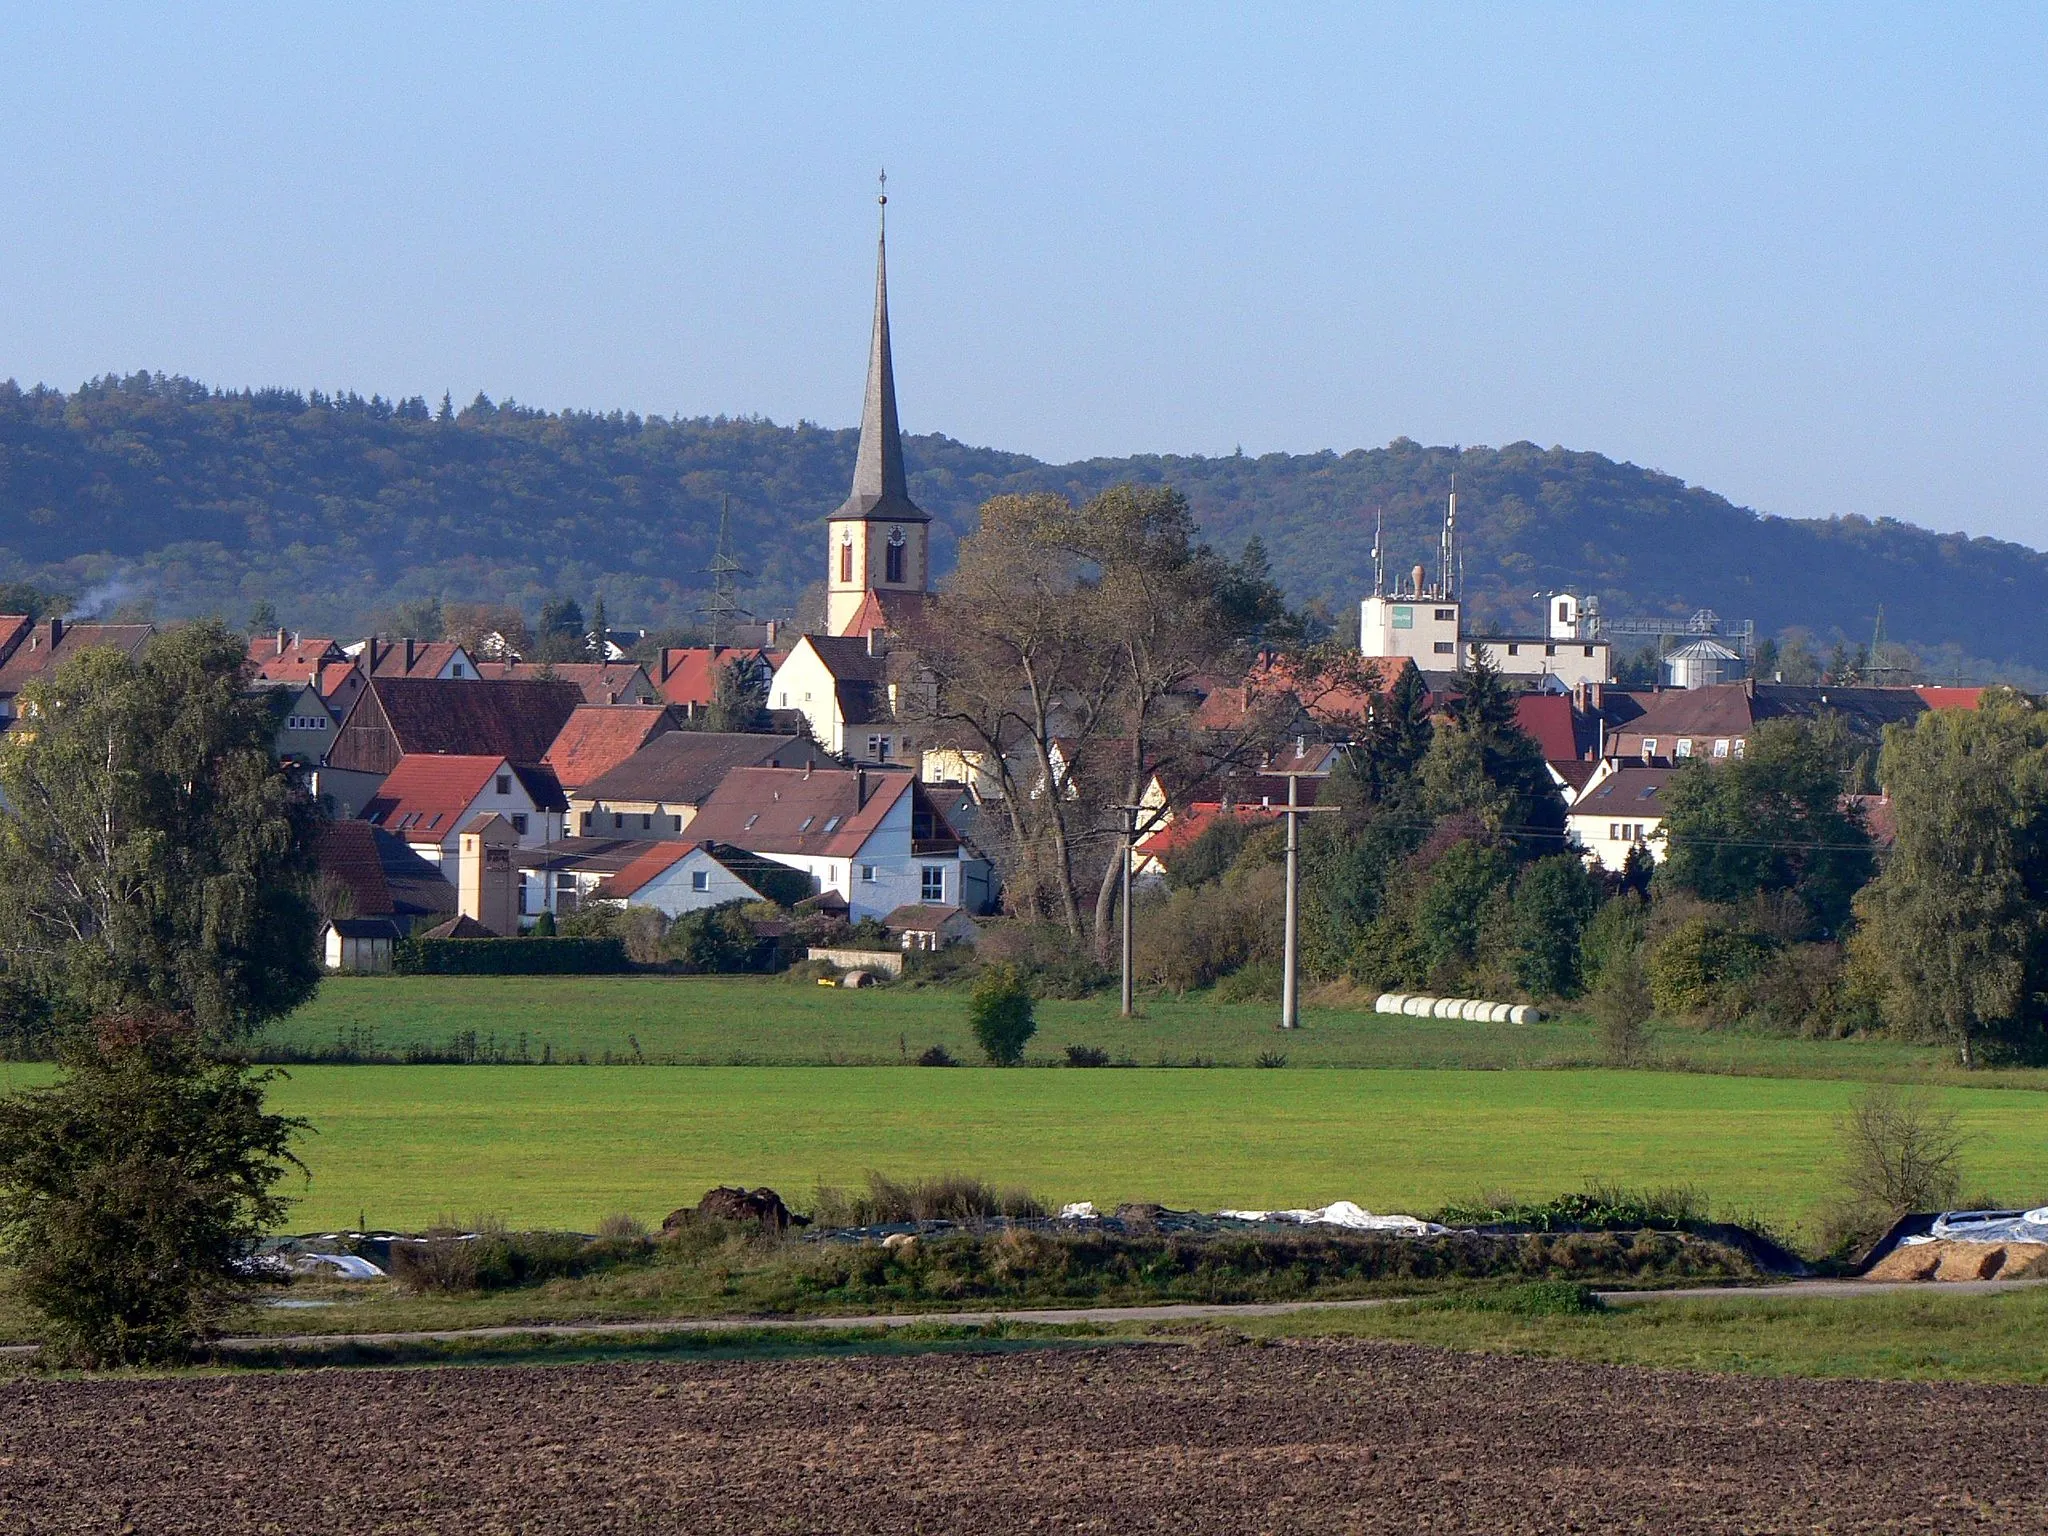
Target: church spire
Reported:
[(880, 490)]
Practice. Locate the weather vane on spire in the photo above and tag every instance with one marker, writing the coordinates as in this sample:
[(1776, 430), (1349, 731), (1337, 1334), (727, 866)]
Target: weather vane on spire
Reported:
[(882, 179)]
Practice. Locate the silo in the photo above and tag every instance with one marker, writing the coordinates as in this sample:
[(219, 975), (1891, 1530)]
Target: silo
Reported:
[(1702, 663)]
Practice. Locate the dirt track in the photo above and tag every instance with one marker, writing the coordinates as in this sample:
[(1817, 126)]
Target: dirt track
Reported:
[(1313, 1436)]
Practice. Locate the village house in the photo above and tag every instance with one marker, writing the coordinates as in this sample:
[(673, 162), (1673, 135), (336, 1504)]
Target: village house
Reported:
[(602, 682), (687, 676), (596, 738), (306, 727), (1619, 810), (441, 659), (657, 791), (400, 717), (919, 927), (31, 652), (680, 877), (378, 890), (1716, 721), (872, 836), (850, 696), (428, 800)]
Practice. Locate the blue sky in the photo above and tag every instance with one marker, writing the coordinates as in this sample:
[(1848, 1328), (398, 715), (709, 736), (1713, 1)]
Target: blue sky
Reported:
[(1791, 253)]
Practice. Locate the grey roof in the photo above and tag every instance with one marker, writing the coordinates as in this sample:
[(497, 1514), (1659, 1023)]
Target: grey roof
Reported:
[(684, 767), (881, 493), (1703, 649), (1631, 787)]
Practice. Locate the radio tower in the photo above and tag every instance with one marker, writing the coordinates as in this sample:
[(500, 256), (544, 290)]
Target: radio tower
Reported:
[(724, 605)]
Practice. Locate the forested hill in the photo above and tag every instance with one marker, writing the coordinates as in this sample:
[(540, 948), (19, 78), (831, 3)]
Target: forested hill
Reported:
[(159, 491)]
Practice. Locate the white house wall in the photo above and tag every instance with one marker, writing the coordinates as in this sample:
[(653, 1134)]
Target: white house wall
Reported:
[(804, 683), (672, 892), (898, 877)]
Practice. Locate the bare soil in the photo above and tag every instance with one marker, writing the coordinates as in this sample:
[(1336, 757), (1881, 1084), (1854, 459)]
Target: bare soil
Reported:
[(1300, 1436)]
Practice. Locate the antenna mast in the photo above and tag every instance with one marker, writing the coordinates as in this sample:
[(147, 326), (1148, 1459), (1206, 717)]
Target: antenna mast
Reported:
[(1447, 578), (1379, 565), (724, 604)]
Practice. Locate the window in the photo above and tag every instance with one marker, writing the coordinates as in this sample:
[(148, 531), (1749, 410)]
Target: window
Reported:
[(504, 783), (782, 702), (831, 824), (1738, 744), (523, 908), (1685, 746), (457, 671), (1443, 647), (805, 824), (586, 821), (700, 879), (932, 887), (846, 560), (1589, 650), (618, 820), (867, 874), (1649, 746), (878, 748), (892, 556), (675, 823), (646, 821), (519, 822), (1720, 746), (750, 822), (1550, 650), (1614, 831), (1446, 615), (1514, 650)]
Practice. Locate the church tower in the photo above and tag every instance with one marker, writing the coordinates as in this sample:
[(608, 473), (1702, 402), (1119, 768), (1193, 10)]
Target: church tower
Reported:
[(878, 552)]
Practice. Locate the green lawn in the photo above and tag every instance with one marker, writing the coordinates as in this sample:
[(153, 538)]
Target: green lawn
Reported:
[(400, 1146), (743, 1021)]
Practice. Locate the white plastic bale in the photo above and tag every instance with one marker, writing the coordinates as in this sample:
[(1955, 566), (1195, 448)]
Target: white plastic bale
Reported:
[(1518, 1014), (1416, 1007), (1500, 1013), (1389, 1002), (1447, 1007)]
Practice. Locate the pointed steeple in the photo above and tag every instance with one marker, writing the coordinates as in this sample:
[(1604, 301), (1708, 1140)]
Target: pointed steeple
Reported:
[(880, 491)]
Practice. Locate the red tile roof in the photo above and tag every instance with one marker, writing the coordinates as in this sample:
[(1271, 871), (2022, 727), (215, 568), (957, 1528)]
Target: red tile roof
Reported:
[(1937, 698), (292, 658), (423, 798), (685, 767), (407, 658), (596, 738), (12, 627), (1190, 824), (631, 879), (794, 811), (890, 612), (684, 674)]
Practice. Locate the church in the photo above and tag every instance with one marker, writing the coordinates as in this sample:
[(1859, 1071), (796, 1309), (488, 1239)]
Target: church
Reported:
[(877, 579)]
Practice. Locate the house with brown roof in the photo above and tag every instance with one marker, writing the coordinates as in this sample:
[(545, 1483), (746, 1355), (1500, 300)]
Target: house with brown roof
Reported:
[(1621, 809), (442, 659), (874, 837), (852, 694), (401, 717), (680, 877), (429, 798), (596, 738), (657, 791), (1715, 722), (381, 873), (602, 682), (30, 653)]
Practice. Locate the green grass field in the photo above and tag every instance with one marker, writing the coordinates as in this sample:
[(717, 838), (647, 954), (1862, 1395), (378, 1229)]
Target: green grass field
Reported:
[(745, 1021), (402, 1146)]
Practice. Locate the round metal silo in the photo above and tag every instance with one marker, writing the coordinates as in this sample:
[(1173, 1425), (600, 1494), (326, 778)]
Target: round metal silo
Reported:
[(1702, 663)]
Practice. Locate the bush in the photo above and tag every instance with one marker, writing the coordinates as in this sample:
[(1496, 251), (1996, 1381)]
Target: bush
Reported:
[(1702, 968), (942, 1197), (1621, 1007), (717, 941), (1898, 1152), (509, 957), (543, 927), (936, 1056), (1087, 1056), (1045, 955), (1001, 1015), (1258, 982), (1203, 934), (132, 1188), (492, 1259), (1603, 1208)]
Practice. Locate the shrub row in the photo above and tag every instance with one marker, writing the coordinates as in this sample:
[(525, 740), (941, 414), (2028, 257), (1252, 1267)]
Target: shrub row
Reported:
[(509, 957)]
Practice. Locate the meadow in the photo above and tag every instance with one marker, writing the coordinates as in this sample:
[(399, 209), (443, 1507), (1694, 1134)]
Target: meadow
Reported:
[(773, 1021), (407, 1146)]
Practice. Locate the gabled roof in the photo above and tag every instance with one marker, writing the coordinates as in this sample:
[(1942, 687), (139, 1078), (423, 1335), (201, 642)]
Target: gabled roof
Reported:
[(459, 928), (13, 626), (602, 682), (400, 717), (818, 814), (596, 738), (1190, 824), (46, 646), (380, 659), (424, 797), (684, 767), (637, 875), (918, 918), (687, 674), (1935, 698), (284, 658), (881, 492), (1546, 719), (848, 658), (384, 874), (1632, 788), (364, 927), (889, 611)]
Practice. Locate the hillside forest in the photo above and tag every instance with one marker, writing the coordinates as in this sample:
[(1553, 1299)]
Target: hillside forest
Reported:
[(158, 495)]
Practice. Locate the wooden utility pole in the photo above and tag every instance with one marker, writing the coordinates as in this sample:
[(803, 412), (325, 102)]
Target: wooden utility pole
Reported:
[(1130, 813)]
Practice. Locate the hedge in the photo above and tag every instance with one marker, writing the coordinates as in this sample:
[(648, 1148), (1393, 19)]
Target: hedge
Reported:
[(509, 957)]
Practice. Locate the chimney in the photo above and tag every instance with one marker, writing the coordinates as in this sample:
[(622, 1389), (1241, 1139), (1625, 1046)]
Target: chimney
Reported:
[(878, 642), (408, 655), (56, 632), (807, 769), (280, 641), (860, 788), (769, 628)]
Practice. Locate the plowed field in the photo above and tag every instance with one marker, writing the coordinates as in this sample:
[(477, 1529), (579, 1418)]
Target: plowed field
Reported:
[(1302, 1436)]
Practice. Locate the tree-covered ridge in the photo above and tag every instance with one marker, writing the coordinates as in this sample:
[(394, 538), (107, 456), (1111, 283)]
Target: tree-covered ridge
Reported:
[(336, 508)]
